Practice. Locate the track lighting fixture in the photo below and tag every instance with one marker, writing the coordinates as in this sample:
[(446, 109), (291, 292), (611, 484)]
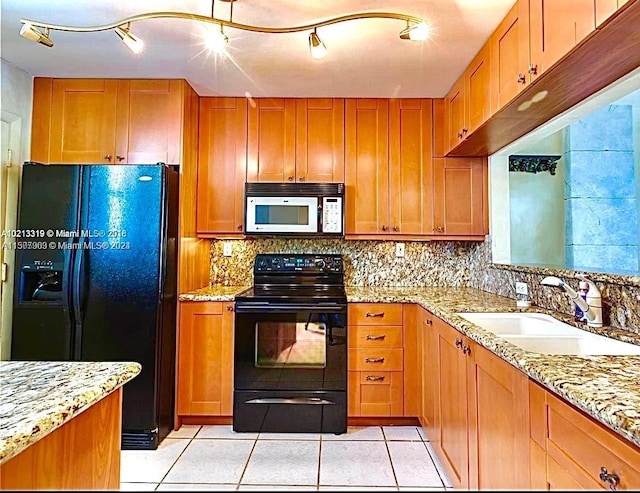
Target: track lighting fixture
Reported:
[(133, 42), (416, 28), (30, 32), (417, 32), (317, 47)]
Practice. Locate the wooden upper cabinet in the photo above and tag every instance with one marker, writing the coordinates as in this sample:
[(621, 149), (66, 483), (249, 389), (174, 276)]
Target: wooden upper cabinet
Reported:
[(455, 114), (440, 131), (319, 140), (556, 27), (477, 91), (222, 165), (149, 121), (83, 121), (87, 121), (271, 147), (509, 47), (367, 166), (606, 8), (460, 196), (205, 359), (410, 167)]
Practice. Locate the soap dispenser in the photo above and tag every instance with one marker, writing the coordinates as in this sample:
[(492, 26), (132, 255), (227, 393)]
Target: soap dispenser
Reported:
[(583, 289), (594, 300)]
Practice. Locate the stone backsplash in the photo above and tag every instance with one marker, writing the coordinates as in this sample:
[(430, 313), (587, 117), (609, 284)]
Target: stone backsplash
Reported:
[(437, 263)]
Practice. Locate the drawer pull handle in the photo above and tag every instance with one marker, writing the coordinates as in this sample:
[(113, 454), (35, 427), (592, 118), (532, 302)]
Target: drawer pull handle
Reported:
[(373, 315), (458, 343), (374, 360), (612, 479), (371, 378), (429, 321), (466, 349), (376, 338)]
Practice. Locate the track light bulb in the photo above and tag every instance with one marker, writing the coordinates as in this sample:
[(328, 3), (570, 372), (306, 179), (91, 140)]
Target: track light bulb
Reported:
[(317, 47), (131, 41), (417, 32), (217, 41), (30, 32)]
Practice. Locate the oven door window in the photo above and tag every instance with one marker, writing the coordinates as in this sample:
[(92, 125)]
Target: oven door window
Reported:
[(290, 345)]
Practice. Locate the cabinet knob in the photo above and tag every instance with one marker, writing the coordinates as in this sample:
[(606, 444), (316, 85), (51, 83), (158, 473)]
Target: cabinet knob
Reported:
[(429, 321), (522, 79), (459, 135), (301, 178), (533, 69), (239, 227), (396, 228), (107, 157), (384, 227), (465, 131), (290, 178), (440, 229), (458, 343), (612, 479), (466, 349), (229, 308), (120, 158)]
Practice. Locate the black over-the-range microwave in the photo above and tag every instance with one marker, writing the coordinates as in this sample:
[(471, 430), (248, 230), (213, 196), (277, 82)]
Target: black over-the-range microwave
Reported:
[(301, 210)]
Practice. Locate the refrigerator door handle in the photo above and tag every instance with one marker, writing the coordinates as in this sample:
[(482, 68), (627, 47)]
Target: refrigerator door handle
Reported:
[(66, 284), (77, 295)]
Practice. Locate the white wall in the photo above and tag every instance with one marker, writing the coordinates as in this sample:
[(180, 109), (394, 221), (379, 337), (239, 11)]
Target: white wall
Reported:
[(16, 97)]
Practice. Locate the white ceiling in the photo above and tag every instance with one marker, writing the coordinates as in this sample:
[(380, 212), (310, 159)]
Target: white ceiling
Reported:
[(366, 58)]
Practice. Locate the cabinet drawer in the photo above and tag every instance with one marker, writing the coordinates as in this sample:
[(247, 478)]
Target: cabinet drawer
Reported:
[(368, 336), (583, 447), (375, 314), (375, 359), (376, 397)]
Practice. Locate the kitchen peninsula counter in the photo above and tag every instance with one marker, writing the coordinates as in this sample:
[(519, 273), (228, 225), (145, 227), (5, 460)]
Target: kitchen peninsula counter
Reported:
[(605, 387), (53, 411)]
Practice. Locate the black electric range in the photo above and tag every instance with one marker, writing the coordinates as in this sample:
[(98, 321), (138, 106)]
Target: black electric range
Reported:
[(290, 346)]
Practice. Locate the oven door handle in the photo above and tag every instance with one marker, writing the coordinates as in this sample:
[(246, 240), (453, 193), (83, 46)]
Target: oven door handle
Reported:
[(314, 401), (288, 308)]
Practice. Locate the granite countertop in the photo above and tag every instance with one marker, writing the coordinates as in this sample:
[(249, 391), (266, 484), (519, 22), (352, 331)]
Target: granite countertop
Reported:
[(605, 387), (37, 397)]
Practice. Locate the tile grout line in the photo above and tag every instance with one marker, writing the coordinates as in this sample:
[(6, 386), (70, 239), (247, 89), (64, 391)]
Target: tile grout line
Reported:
[(434, 464), (177, 458), (244, 469), (393, 469), (319, 463)]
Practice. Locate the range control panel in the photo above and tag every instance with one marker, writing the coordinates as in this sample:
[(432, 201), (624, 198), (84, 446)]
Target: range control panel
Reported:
[(308, 263)]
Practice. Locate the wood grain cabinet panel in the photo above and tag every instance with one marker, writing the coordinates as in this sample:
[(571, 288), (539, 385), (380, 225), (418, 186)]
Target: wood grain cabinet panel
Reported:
[(222, 165), (320, 140), (205, 359), (455, 114), (375, 314), (271, 147), (477, 99), (367, 166), (430, 376), (460, 196)]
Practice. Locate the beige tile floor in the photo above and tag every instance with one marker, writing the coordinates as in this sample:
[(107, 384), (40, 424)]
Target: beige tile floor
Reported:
[(215, 458)]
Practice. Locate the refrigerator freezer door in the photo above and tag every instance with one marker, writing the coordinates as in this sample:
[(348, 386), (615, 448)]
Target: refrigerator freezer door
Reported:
[(42, 327), (119, 278)]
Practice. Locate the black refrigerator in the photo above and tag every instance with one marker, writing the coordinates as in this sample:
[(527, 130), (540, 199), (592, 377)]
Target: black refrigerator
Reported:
[(96, 279)]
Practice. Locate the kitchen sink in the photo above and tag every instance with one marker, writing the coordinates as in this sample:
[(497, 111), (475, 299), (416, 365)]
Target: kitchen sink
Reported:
[(541, 333)]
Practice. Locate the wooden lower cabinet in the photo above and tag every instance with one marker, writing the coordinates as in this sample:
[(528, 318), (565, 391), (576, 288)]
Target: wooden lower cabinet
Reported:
[(205, 359)]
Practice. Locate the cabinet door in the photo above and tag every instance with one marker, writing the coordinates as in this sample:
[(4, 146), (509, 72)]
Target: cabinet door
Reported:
[(320, 140), (509, 45), (367, 166), (477, 91), (221, 165), (604, 10), (412, 365), (454, 111), (430, 377), (452, 441), (272, 140), (205, 359), (83, 121), (459, 206), (410, 167), (556, 27), (498, 423), (149, 121)]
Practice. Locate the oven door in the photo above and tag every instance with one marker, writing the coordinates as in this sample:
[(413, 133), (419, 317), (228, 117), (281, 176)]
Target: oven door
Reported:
[(281, 215), (281, 346)]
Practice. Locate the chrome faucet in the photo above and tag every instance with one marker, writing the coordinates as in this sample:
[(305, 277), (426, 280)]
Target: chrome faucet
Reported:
[(591, 307)]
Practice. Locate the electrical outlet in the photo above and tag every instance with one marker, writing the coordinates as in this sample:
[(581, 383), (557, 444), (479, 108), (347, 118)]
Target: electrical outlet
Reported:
[(522, 288), (399, 249), (226, 249)]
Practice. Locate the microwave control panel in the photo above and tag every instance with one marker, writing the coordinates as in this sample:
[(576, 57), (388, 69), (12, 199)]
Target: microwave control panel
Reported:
[(332, 214)]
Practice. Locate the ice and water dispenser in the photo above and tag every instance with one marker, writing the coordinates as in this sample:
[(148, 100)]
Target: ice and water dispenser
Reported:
[(40, 281)]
